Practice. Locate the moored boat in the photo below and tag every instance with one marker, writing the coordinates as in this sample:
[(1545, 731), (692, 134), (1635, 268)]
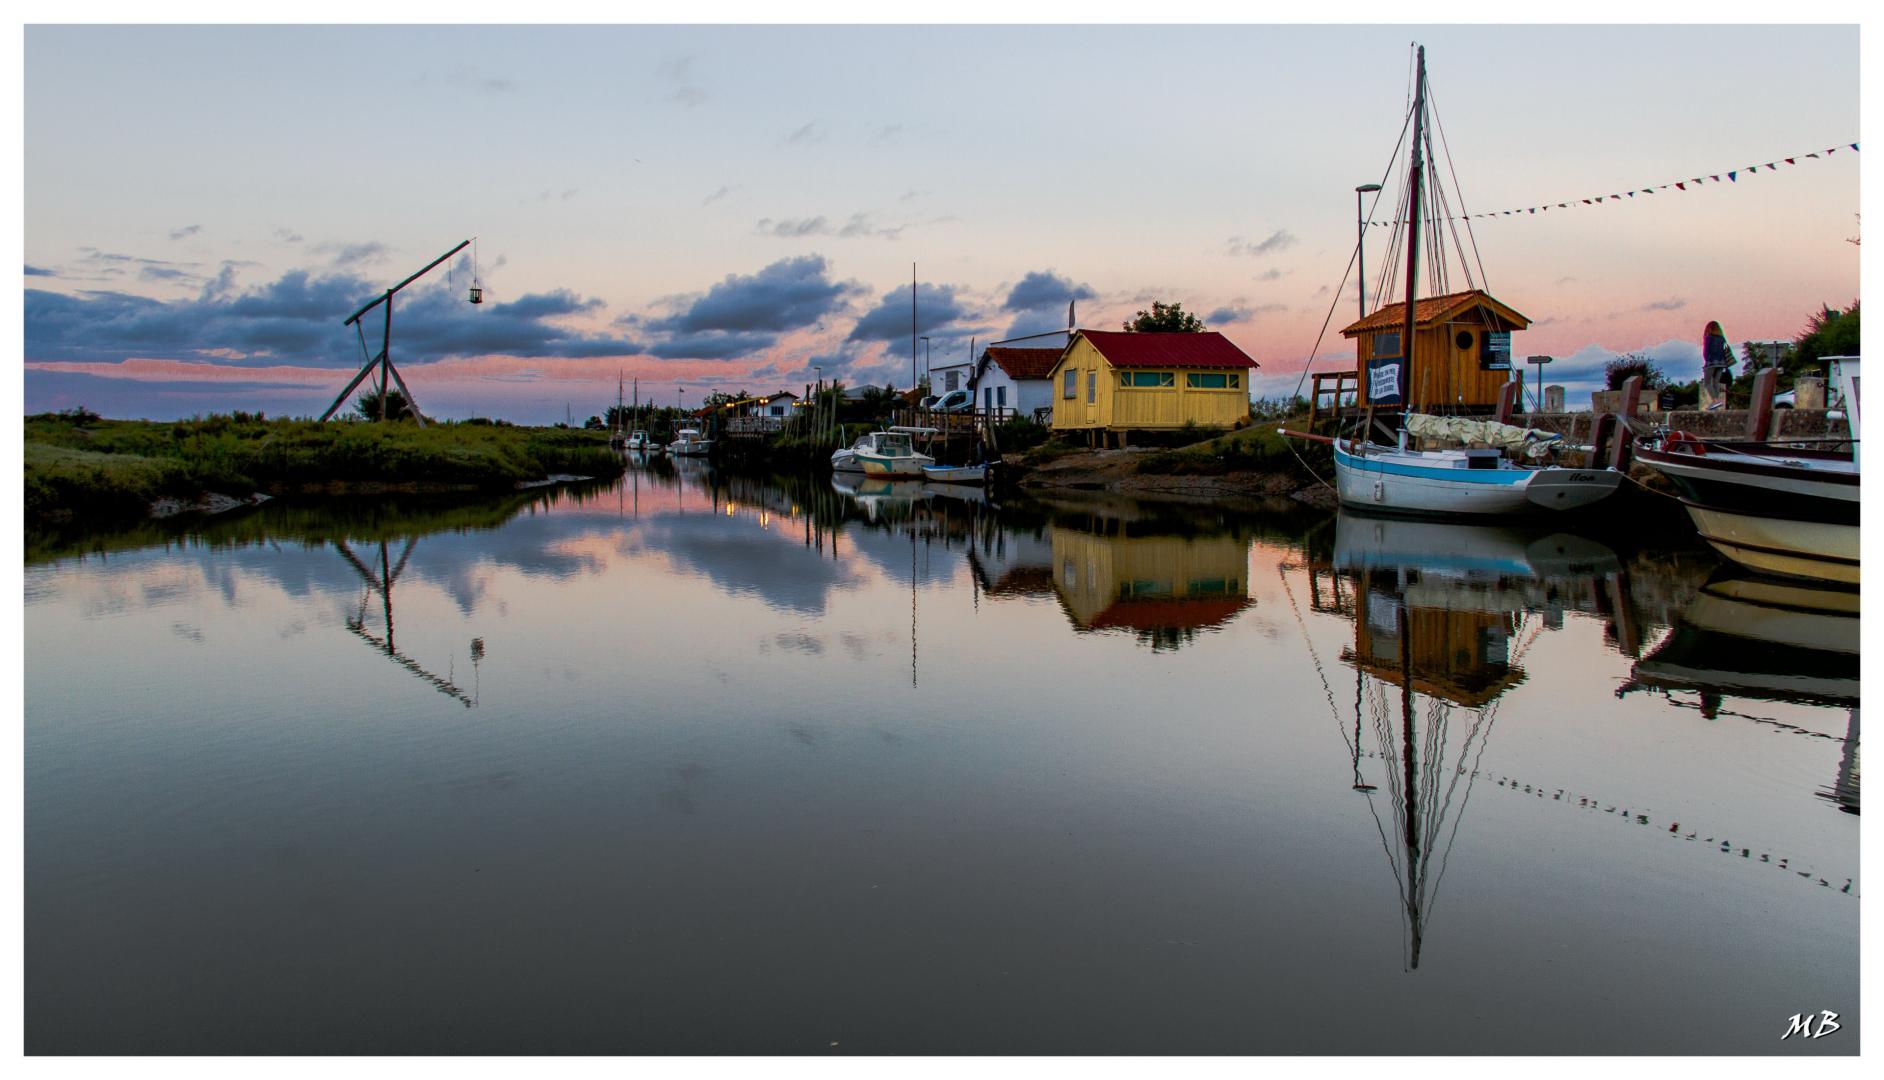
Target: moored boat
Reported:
[(893, 456), (690, 443), (1774, 509), (1460, 482), (956, 474), (1449, 352)]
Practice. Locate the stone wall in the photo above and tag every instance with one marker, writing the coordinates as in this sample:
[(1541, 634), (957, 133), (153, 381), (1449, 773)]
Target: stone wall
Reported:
[(1720, 424)]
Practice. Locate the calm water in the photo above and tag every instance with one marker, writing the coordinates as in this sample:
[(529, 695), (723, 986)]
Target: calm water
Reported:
[(689, 765)]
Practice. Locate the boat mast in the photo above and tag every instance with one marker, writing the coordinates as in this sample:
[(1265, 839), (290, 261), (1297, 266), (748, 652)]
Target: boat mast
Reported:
[(1413, 228)]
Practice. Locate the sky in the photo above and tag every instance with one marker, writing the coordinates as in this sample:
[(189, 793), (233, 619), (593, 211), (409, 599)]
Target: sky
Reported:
[(739, 207)]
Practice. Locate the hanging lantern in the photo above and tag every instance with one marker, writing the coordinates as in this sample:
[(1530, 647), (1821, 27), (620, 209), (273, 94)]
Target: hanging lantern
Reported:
[(477, 295)]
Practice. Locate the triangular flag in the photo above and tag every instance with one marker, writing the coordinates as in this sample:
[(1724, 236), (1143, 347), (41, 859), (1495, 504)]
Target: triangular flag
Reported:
[(1833, 150), (1632, 194), (1732, 178), (1586, 202), (1812, 155), (1716, 178), (1533, 209), (1683, 186), (1854, 146)]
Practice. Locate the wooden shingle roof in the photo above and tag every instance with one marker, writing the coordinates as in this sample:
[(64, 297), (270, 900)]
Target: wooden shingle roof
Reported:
[(1436, 309)]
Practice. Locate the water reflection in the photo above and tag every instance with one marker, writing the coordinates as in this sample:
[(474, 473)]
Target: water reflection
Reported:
[(1764, 641), (761, 733)]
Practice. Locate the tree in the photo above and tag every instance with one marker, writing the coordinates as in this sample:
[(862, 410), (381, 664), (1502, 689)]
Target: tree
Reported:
[(367, 405), (1619, 370), (1164, 319), (1830, 332), (593, 423)]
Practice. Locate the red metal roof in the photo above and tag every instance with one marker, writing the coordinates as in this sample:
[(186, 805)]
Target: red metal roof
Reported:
[(1173, 614), (1024, 363), (1204, 350), (1431, 309)]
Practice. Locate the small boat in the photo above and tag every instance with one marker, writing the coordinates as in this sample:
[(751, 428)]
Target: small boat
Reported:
[(893, 456), (1773, 509), (639, 441), (956, 474), (1481, 483), (689, 443), (845, 460)]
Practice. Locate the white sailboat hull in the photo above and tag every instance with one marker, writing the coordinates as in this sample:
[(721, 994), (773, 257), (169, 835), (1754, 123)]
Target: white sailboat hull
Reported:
[(1436, 483)]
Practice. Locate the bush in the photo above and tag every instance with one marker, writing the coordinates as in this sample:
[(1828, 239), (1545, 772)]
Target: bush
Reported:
[(1622, 368)]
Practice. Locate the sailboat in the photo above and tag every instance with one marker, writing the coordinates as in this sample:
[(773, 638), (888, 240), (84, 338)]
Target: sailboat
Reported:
[(1448, 350)]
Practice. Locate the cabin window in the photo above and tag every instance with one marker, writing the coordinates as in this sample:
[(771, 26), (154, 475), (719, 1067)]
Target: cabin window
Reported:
[(1387, 344), (987, 397), (1000, 397), (1092, 387), (1148, 378), (1214, 380), (1463, 340), (1072, 385)]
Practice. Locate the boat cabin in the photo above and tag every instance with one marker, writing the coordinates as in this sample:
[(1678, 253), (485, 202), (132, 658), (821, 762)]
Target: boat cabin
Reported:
[(1461, 353)]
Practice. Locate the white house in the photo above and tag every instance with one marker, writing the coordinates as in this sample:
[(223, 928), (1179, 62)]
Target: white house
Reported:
[(779, 404), (1017, 379)]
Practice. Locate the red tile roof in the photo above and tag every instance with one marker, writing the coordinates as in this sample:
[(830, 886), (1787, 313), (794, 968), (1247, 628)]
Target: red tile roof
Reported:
[(1024, 363), (1205, 350), (1172, 614), (1432, 309)]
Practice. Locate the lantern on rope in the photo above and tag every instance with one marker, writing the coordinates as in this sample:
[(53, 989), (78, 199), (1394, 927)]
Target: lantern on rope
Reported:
[(477, 289)]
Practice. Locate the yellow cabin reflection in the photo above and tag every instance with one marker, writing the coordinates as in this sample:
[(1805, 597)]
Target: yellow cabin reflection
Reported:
[(1165, 589)]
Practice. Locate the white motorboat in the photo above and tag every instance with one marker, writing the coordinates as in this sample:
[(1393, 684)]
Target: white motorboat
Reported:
[(845, 460), (894, 456), (690, 443), (640, 441)]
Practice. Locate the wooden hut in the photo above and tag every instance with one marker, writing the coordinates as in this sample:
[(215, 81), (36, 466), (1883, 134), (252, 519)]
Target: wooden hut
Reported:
[(1115, 382), (1461, 358)]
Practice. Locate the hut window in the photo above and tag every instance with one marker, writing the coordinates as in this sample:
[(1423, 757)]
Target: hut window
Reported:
[(1072, 384), (1092, 387), (1464, 340), (1387, 344), (1148, 378), (1209, 381)]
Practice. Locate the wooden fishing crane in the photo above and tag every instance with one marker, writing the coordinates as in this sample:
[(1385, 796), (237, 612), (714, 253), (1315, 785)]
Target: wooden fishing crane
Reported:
[(384, 360)]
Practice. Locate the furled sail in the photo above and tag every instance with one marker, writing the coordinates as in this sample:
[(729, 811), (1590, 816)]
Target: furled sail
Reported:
[(1530, 442)]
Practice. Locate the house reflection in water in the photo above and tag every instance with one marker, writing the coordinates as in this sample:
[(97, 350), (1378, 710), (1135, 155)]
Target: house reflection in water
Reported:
[(1459, 655), (1120, 572), (1164, 589)]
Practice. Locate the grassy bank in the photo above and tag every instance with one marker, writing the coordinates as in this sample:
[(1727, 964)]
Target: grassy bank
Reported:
[(81, 465), (1258, 448)]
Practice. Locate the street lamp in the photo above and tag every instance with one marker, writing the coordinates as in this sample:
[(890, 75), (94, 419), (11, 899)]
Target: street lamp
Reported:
[(1360, 241)]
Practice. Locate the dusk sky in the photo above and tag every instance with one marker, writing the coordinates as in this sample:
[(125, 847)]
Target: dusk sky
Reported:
[(726, 206)]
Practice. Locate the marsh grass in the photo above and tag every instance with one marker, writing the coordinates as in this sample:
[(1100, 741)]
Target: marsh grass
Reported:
[(82, 465)]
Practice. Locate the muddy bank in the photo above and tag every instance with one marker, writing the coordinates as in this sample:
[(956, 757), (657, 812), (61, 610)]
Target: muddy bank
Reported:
[(1118, 471)]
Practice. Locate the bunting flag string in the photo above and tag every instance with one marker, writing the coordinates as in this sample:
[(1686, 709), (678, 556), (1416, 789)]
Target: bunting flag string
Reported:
[(1729, 176)]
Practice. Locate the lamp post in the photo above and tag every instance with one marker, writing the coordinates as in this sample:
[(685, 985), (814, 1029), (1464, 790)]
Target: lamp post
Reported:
[(1360, 242)]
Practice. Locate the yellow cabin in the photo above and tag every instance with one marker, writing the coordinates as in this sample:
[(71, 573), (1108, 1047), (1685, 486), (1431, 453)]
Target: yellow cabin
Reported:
[(1114, 381), (1461, 359)]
